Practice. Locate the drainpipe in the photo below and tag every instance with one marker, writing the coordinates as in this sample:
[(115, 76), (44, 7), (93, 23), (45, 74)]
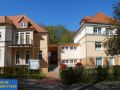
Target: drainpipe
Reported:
[(86, 45), (33, 53)]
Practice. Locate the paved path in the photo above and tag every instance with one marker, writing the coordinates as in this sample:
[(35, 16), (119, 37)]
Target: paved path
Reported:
[(55, 84), (36, 84), (114, 85)]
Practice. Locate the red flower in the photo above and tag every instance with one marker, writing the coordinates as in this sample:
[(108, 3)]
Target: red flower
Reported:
[(63, 66), (78, 64)]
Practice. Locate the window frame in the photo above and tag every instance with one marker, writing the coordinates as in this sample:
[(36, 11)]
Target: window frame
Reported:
[(23, 24), (109, 31), (100, 62), (98, 46), (17, 52), (97, 30), (112, 61), (40, 55), (27, 52)]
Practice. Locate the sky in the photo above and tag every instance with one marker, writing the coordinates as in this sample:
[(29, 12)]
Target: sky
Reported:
[(56, 12)]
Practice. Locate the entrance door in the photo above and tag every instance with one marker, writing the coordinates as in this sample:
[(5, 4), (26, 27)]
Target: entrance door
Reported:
[(53, 58)]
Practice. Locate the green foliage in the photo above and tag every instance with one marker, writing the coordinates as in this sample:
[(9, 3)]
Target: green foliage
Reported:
[(20, 72), (112, 43), (59, 34), (80, 74), (116, 70), (68, 76), (102, 73)]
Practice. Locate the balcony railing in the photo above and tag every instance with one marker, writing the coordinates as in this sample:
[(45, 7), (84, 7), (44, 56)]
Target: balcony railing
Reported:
[(22, 42)]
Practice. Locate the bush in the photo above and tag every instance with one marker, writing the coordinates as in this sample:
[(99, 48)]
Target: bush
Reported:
[(89, 75), (102, 73), (67, 75), (20, 72), (78, 64), (79, 74), (63, 66), (116, 70)]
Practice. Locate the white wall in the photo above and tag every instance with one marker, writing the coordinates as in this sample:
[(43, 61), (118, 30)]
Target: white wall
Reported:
[(6, 35), (79, 35), (70, 54)]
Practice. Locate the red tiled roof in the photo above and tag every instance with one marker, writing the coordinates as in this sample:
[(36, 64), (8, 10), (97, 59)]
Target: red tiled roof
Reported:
[(5, 19), (15, 21), (98, 18)]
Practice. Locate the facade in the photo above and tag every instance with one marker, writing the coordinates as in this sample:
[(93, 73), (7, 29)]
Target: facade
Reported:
[(92, 33), (20, 40), (68, 54)]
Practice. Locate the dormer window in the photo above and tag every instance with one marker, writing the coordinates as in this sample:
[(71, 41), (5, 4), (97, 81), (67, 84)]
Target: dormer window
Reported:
[(23, 24)]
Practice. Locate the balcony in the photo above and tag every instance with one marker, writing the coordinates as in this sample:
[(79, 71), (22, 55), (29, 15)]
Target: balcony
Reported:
[(21, 43)]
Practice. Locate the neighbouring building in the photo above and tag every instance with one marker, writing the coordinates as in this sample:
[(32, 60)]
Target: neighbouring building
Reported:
[(92, 33), (68, 54), (20, 40)]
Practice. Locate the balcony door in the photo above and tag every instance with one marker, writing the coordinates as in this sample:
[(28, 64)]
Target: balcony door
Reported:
[(27, 38), (21, 38)]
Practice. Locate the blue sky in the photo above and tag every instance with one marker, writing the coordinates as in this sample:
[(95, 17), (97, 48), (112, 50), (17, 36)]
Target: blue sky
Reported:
[(54, 12)]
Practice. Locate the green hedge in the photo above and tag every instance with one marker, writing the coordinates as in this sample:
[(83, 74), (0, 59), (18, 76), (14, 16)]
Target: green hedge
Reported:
[(20, 72), (80, 74)]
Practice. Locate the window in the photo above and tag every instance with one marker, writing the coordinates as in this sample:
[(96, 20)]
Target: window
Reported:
[(97, 30), (16, 38), (75, 48), (66, 48), (0, 35), (63, 61), (109, 31), (111, 61), (23, 24), (17, 57), (27, 38), (27, 57), (21, 38), (98, 45), (99, 61), (71, 61), (66, 61), (75, 61), (40, 55), (71, 48)]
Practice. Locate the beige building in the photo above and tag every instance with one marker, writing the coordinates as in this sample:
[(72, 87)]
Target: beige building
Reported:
[(68, 54), (20, 40), (92, 33)]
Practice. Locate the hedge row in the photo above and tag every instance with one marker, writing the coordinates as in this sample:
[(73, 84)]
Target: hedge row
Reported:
[(20, 72), (80, 74)]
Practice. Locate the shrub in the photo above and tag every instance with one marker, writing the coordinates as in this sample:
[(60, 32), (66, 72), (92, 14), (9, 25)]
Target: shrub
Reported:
[(42, 75), (79, 74), (102, 73), (78, 64), (89, 75), (63, 66), (67, 75), (116, 71)]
